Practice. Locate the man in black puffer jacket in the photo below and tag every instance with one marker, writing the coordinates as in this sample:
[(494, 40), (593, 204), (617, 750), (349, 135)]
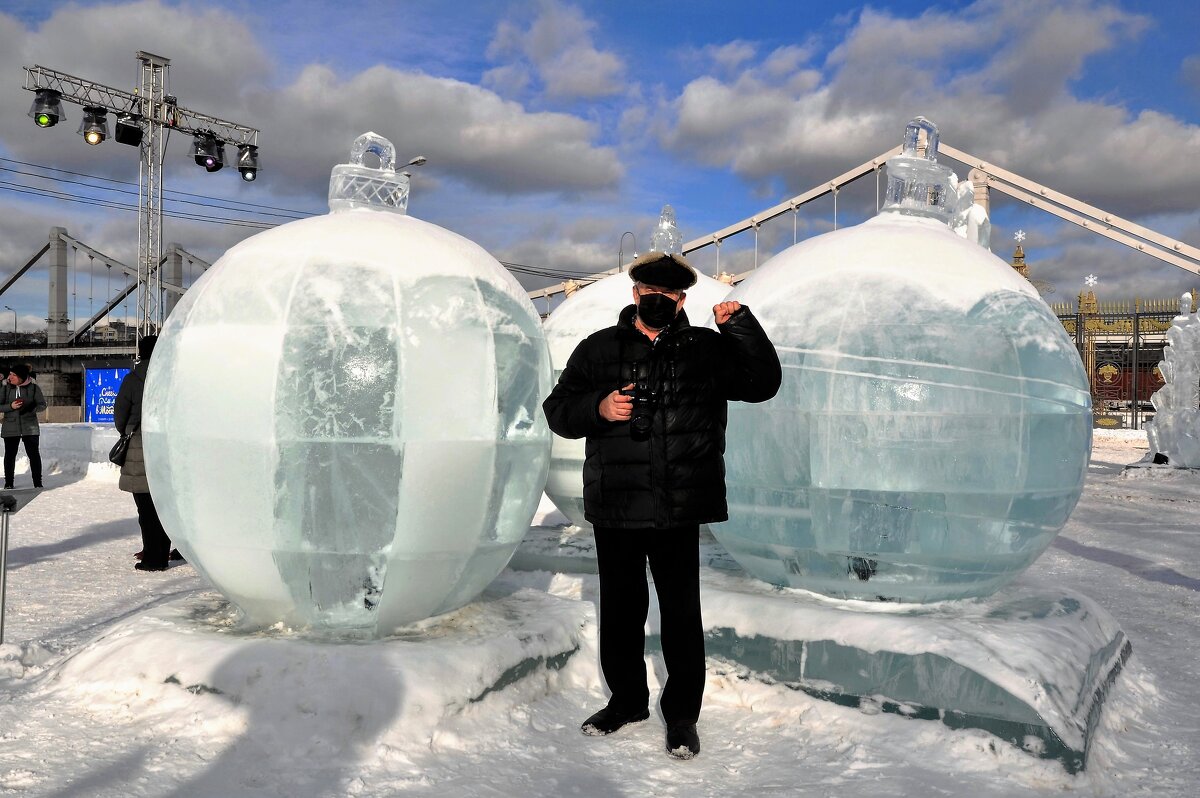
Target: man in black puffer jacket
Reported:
[(650, 397)]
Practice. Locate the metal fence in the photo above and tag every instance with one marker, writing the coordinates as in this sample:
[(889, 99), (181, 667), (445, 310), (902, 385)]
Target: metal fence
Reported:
[(1121, 345)]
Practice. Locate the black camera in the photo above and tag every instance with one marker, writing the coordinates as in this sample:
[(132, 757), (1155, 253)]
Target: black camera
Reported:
[(645, 393)]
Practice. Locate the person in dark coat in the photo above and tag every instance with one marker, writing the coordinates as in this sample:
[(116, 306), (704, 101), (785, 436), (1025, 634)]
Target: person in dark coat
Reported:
[(650, 395), (127, 415), (21, 399)]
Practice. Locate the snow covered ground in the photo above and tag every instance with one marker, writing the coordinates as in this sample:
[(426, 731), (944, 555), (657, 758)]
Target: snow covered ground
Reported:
[(120, 683)]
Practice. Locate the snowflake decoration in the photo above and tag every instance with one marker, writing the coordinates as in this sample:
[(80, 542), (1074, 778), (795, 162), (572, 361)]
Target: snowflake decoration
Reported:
[(1019, 235), (1092, 280)]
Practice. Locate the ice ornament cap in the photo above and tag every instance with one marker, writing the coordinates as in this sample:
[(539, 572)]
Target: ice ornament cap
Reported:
[(917, 184), (355, 185)]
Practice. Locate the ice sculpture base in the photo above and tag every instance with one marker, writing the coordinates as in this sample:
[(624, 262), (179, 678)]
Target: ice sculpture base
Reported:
[(188, 652), (1030, 667), (1146, 468), (560, 548)]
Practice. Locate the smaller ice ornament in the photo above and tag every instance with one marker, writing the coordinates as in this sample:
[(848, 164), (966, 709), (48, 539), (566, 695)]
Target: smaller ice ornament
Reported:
[(342, 419), (933, 429), (1175, 429), (595, 308)]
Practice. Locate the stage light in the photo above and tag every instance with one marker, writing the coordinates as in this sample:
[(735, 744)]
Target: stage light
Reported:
[(248, 161), (94, 126), (128, 130), (208, 151), (218, 159), (47, 109)]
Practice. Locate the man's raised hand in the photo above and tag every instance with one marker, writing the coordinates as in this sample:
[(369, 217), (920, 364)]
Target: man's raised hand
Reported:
[(723, 310)]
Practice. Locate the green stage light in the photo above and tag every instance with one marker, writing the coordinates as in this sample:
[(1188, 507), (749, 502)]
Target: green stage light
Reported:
[(46, 110)]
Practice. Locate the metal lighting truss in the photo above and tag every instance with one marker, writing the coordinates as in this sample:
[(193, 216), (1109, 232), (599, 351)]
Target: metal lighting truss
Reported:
[(158, 113)]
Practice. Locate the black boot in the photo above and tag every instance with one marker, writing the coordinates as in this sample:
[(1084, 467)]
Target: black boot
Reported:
[(147, 566), (609, 719), (683, 742)]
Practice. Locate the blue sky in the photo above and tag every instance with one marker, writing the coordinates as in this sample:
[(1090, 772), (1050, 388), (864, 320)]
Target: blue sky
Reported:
[(553, 127)]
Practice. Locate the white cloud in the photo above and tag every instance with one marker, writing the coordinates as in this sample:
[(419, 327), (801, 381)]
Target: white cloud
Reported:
[(998, 86), (558, 47), (466, 131), (729, 56)]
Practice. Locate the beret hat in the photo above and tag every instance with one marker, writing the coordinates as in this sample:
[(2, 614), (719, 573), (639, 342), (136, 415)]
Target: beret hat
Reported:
[(663, 269)]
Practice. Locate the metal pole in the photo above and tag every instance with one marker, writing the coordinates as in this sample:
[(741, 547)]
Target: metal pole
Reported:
[(1135, 406), (3, 564), (153, 90)]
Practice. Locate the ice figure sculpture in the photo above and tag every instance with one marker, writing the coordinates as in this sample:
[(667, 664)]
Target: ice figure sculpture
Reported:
[(933, 428), (594, 308), (969, 220), (1175, 429), (666, 236), (346, 429)]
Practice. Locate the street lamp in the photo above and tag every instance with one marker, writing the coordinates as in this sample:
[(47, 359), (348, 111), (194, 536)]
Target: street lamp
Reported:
[(6, 307), (621, 248)]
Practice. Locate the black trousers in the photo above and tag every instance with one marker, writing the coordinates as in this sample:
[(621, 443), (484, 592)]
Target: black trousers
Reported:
[(674, 557), (156, 546), (11, 445)]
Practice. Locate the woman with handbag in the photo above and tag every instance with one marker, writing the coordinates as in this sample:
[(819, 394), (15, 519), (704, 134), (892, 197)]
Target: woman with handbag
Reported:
[(127, 415), (21, 400)]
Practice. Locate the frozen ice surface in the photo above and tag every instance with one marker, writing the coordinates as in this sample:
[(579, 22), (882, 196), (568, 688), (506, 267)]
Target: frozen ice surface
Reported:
[(583, 313), (933, 428), (342, 421), (1175, 428)]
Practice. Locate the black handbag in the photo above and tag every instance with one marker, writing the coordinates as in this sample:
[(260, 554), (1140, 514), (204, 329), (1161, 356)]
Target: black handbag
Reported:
[(117, 453)]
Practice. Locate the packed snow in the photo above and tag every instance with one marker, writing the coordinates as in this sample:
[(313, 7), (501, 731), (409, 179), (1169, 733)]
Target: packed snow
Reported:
[(115, 682)]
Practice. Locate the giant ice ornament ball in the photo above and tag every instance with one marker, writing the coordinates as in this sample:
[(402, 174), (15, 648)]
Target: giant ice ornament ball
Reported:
[(342, 417), (593, 308), (933, 428)]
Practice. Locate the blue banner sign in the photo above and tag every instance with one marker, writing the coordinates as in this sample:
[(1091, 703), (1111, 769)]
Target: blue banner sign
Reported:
[(100, 393)]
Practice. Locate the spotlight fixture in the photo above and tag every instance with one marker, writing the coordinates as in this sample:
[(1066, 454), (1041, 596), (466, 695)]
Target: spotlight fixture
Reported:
[(248, 161), (47, 109), (94, 126), (170, 110), (128, 129), (208, 151)]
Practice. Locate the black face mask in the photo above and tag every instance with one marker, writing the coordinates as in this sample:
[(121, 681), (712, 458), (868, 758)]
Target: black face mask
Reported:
[(657, 310)]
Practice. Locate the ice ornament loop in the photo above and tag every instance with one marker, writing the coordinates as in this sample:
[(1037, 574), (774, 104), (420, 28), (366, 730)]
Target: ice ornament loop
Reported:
[(356, 185), (932, 431), (1175, 429), (347, 433), (917, 184)]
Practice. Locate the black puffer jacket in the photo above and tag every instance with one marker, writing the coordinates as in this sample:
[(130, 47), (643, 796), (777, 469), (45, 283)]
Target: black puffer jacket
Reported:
[(677, 476)]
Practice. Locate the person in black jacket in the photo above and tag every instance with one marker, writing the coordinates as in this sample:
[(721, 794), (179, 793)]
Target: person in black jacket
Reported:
[(650, 395), (20, 401), (127, 416)]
